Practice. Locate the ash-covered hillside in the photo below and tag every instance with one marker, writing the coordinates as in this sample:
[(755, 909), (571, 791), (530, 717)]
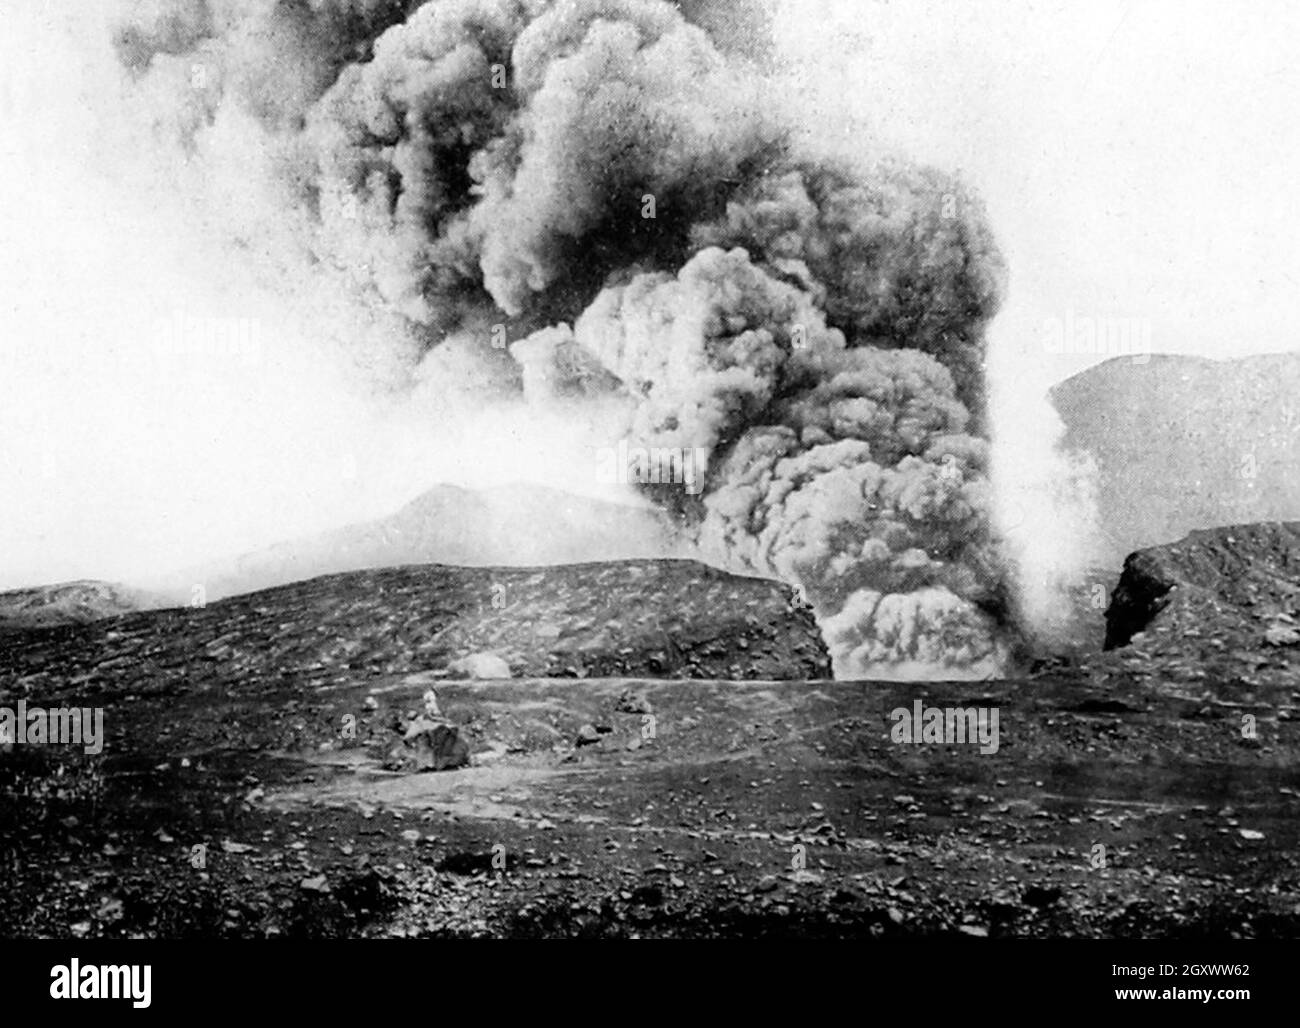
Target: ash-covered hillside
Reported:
[(672, 619)]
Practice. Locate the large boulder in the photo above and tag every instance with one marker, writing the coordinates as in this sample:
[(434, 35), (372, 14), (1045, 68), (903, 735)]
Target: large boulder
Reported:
[(480, 665), (429, 744), (1223, 602)]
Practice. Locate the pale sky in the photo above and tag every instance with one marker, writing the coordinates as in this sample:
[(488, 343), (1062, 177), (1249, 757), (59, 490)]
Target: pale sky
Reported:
[(1138, 161)]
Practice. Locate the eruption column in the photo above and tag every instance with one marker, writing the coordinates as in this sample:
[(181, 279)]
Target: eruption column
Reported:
[(602, 183)]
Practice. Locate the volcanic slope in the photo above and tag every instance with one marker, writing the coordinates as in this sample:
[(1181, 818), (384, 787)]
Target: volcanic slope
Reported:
[(673, 619)]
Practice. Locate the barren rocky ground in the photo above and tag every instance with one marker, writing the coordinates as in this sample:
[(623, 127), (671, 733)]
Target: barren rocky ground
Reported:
[(672, 618), (262, 799), (1216, 589)]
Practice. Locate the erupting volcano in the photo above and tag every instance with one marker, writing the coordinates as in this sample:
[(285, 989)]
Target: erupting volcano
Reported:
[(601, 209)]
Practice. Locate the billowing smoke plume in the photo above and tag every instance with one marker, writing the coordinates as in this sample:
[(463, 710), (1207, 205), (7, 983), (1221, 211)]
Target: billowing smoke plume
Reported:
[(601, 202)]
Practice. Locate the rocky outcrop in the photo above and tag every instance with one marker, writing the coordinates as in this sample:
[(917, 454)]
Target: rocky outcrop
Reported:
[(1226, 599)]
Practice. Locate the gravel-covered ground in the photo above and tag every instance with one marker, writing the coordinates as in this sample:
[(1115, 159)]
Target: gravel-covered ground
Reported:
[(729, 809), (257, 781)]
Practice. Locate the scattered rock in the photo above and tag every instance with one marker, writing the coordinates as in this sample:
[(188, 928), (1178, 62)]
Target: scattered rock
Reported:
[(630, 702), (110, 910), (429, 745), (1279, 635), (480, 665)]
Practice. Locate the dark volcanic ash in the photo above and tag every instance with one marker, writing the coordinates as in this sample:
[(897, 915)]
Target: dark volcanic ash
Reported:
[(612, 191)]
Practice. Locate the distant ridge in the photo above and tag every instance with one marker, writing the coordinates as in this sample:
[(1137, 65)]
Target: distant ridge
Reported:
[(516, 525), (1184, 443), (70, 603)]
